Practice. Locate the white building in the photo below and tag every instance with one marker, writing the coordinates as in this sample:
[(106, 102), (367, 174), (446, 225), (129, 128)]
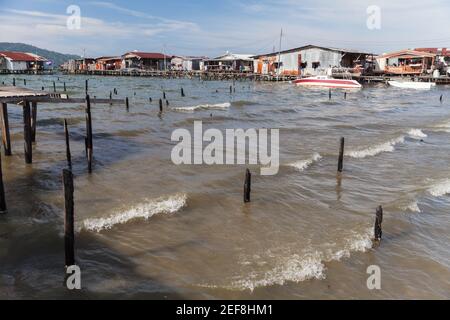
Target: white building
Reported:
[(19, 61), (230, 62), (308, 60)]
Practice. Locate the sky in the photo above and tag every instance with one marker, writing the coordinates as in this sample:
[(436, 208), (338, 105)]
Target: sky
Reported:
[(211, 28)]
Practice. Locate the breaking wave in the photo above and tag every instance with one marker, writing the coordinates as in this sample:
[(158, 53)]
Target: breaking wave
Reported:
[(295, 267), (219, 106), (417, 134), (440, 188), (304, 164), (144, 210), (413, 206), (388, 146)]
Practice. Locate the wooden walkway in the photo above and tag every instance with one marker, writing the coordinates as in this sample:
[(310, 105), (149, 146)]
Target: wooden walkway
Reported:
[(29, 99)]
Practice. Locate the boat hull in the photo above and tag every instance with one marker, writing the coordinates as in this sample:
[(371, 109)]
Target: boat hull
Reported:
[(412, 85), (327, 83)]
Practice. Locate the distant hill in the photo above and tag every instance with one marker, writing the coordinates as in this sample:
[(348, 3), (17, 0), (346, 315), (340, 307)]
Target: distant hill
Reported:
[(56, 57)]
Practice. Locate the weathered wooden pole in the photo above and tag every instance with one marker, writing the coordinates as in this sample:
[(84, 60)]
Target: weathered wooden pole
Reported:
[(167, 103), (64, 84), (247, 185), (89, 144), (6, 137), (27, 132), (127, 103), (378, 220), (164, 94), (182, 92), (110, 95), (329, 94), (68, 155), (345, 95), (33, 121), (231, 89), (3, 208), (441, 98), (54, 86), (341, 155), (69, 233), (160, 105), (42, 88), (14, 82), (150, 99), (24, 82), (86, 86)]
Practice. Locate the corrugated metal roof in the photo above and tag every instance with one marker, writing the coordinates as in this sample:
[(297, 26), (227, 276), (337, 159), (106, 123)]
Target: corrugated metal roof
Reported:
[(407, 54), (21, 56), (146, 55), (314, 46)]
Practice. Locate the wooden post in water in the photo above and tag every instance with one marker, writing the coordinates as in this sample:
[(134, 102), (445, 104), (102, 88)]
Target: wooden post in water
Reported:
[(182, 92), (24, 82), (127, 103), (164, 94), (150, 99), (33, 121), (441, 98), (231, 89), (68, 155), (69, 234), (89, 144), (167, 103), (341, 156), (378, 220), (3, 208), (247, 185), (54, 86), (27, 132), (14, 82), (64, 83), (86, 86), (6, 137), (345, 95), (329, 94), (160, 105), (42, 88)]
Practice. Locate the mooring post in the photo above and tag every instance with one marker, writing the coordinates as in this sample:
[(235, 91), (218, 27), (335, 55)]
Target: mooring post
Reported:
[(345, 95), (33, 121), (54, 86), (231, 89), (86, 86), (69, 234), (42, 88), (182, 92), (14, 82), (64, 84), (127, 103), (6, 137), (150, 99), (27, 132), (341, 155), (247, 185), (164, 94), (3, 208), (441, 98), (378, 220), (24, 82), (329, 94), (89, 144), (68, 155), (160, 105), (167, 103)]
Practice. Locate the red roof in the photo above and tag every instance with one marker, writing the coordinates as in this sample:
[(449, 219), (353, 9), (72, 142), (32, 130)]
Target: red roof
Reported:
[(147, 55), (438, 51), (20, 56)]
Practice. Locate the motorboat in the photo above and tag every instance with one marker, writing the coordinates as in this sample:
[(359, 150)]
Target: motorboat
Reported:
[(328, 82), (412, 84)]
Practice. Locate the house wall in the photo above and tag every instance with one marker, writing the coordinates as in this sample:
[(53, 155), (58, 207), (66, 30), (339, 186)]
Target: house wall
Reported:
[(16, 65)]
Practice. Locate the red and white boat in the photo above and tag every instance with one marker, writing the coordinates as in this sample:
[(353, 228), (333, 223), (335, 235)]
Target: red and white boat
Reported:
[(325, 81)]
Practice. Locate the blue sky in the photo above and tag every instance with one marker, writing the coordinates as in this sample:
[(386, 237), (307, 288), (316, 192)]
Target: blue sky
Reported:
[(201, 27)]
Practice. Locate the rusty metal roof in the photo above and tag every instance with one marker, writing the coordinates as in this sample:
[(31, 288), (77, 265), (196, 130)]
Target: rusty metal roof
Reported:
[(146, 55), (21, 56)]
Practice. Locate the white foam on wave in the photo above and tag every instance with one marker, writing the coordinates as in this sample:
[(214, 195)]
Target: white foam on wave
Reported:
[(416, 134), (440, 188), (144, 210), (388, 146), (304, 164), (296, 267), (219, 106), (413, 206)]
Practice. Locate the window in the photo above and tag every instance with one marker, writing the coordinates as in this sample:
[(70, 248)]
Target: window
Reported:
[(304, 65), (315, 65)]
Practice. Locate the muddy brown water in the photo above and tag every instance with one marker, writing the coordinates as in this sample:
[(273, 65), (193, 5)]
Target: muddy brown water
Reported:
[(147, 228)]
